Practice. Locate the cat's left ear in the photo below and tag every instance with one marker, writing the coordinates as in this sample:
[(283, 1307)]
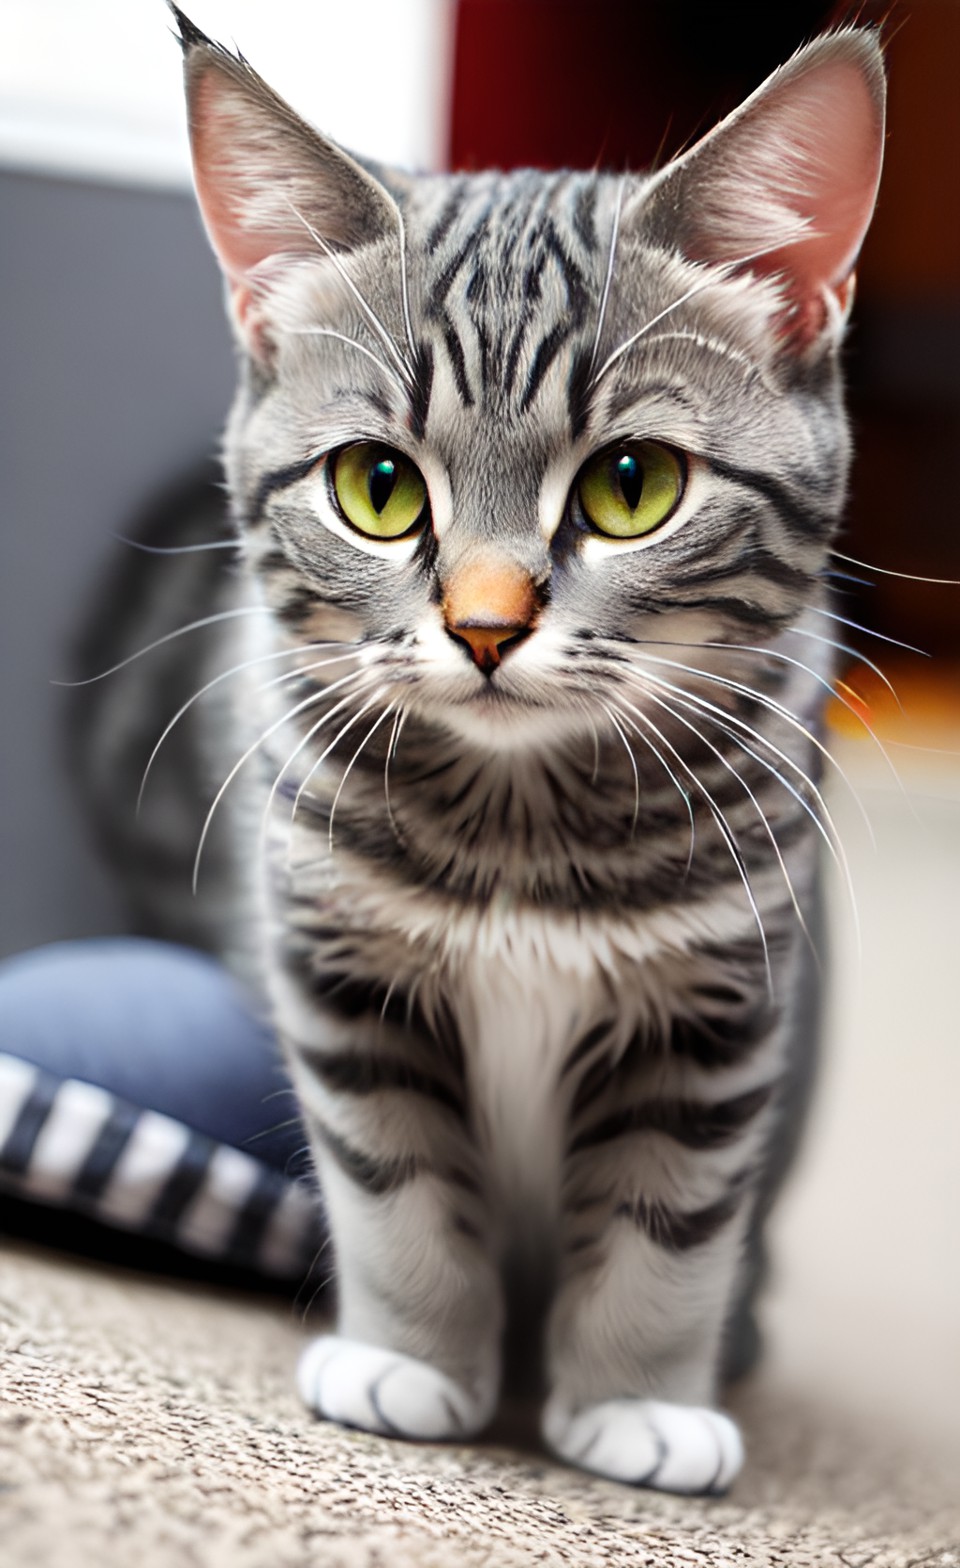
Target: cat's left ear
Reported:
[(786, 185), (271, 190)]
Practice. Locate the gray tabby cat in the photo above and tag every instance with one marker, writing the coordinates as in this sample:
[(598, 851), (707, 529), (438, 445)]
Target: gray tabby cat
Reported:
[(535, 477)]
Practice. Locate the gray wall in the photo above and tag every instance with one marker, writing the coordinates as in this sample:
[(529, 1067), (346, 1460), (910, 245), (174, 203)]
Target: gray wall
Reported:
[(116, 374)]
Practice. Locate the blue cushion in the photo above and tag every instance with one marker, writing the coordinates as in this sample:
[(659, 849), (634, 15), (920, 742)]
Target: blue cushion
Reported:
[(139, 1088), (159, 1026)]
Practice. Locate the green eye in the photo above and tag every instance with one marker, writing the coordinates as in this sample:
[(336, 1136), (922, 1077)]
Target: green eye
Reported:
[(379, 490), (629, 490)]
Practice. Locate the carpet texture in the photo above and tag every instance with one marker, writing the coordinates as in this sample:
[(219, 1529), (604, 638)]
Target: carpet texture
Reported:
[(153, 1423)]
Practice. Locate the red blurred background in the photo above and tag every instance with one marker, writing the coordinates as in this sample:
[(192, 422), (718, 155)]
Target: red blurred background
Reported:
[(623, 84)]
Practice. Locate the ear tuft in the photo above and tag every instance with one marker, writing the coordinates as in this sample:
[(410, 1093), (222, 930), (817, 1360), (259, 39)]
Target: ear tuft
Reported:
[(190, 34), (270, 188), (786, 185)]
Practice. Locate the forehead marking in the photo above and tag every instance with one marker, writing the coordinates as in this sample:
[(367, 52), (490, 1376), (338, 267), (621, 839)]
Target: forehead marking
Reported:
[(502, 265)]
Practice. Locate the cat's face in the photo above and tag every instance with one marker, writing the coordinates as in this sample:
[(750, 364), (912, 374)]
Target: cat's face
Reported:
[(503, 431)]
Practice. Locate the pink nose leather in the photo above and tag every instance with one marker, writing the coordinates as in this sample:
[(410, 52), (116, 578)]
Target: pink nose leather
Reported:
[(487, 604)]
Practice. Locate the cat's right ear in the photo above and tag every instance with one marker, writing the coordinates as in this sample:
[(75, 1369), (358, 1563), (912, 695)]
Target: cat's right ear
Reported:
[(785, 186), (272, 191)]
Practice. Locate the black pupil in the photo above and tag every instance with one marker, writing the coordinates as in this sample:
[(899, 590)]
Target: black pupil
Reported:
[(630, 475), (381, 482)]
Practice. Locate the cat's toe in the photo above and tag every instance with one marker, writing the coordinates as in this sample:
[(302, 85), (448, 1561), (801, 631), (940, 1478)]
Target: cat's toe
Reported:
[(383, 1391), (647, 1442)]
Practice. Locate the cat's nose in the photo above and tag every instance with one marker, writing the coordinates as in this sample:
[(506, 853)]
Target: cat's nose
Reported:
[(488, 644), (489, 607)]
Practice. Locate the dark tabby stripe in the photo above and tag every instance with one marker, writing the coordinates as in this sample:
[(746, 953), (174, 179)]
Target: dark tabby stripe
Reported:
[(696, 1126), (593, 1083), (458, 363), (720, 1042), (754, 562), (436, 303), (676, 1231), (299, 604), (377, 1177), (585, 216), (578, 300), (362, 1073), (352, 996), (420, 397), (278, 479), (802, 520), (448, 213), (739, 609), (584, 1046)]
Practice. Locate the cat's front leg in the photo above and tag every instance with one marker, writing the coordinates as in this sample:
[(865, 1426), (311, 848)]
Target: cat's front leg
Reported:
[(419, 1311), (416, 1352), (660, 1183), (633, 1349)]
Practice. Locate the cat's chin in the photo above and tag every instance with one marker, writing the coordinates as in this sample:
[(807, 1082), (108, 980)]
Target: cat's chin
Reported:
[(496, 720)]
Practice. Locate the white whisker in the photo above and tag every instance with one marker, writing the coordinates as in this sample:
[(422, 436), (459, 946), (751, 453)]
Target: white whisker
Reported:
[(305, 669), (854, 653), (248, 664), (728, 766), (331, 747), (304, 741), (404, 289), (391, 753), (884, 571), (718, 273), (684, 794), (821, 680), (724, 716), (192, 626), (712, 346), (868, 631), (291, 713), (772, 706), (765, 701), (343, 778), (831, 838), (386, 1000), (633, 763), (177, 549), (596, 751), (735, 728), (381, 330), (608, 279), (726, 833), (342, 337)]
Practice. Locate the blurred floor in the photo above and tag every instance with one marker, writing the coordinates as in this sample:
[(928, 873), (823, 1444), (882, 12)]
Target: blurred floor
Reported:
[(867, 1239)]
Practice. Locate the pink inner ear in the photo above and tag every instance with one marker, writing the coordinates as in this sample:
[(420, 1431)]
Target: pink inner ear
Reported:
[(244, 212), (788, 184), (832, 121)]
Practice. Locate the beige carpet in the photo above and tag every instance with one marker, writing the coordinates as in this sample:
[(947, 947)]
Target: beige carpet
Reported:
[(149, 1423), (153, 1424)]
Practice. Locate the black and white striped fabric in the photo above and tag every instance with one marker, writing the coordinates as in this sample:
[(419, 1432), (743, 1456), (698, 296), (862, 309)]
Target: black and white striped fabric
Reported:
[(75, 1145)]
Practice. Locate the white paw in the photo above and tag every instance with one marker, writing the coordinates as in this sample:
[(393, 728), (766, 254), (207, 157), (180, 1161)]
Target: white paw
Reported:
[(675, 1448), (382, 1391)]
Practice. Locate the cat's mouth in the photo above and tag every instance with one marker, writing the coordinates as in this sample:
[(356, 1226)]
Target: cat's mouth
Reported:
[(504, 713)]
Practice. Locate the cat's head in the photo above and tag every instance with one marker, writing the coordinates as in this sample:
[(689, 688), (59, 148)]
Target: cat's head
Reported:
[(506, 430)]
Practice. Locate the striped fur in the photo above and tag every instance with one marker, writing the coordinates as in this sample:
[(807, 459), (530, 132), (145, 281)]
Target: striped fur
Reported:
[(536, 933)]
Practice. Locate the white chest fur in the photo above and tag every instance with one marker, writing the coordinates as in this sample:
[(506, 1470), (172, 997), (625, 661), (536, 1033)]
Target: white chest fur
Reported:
[(519, 1022)]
